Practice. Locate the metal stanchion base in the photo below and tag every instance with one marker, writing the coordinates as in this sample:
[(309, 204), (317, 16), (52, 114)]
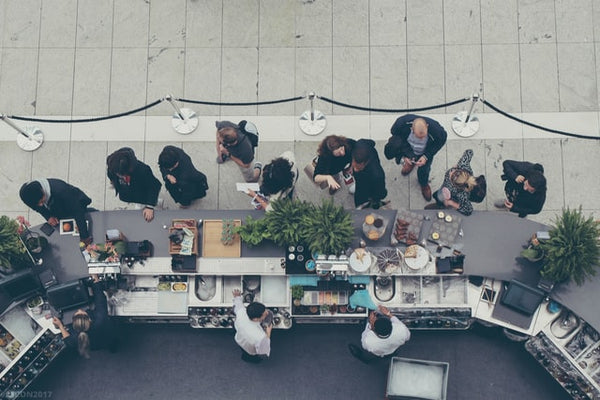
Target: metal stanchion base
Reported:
[(33, 142), (187, 125), (312, 126), (462, 128)]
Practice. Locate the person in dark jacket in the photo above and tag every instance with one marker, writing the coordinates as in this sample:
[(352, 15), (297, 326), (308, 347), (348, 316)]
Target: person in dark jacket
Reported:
[(525, 188), (414, 142), (92, 329), (334, 157), (133, 180), (55, 199), (182, 180), (369, 175)]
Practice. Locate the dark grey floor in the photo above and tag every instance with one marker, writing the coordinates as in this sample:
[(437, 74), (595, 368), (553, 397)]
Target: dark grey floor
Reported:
[(308, 362)]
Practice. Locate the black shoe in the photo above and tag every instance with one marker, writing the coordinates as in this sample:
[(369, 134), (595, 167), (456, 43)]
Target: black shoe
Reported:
[(357, 352), (251, 359)]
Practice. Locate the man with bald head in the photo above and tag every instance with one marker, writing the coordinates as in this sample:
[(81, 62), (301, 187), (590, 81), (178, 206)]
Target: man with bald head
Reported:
[(414, 142)]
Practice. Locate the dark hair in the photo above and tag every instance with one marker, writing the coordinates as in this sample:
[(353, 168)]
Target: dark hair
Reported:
[(31, 193), (361, 154), (382, 327), (121, 161), (331, 143), (276, 176), (168, 157), (479, 191), (536, 179), (255, 310)]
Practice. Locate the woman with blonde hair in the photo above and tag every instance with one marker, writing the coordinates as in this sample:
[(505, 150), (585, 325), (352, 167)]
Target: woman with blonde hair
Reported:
[(92, 329), (458, 185)]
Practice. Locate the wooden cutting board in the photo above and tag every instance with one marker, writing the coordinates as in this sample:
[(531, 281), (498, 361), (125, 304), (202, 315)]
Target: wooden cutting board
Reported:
[(211, 240)]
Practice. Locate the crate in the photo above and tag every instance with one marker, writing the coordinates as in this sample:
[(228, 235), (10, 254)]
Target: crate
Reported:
[(411, 379), (174, 248)]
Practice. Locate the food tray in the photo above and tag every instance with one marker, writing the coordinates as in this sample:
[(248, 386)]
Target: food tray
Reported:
[(179, 287), (447, 230), (314, 297), (211, 240), (415, 223), (175, 248)]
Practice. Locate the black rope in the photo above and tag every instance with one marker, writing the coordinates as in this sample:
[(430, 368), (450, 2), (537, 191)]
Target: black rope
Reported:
[(257, 103), (507, 115), (72, 121), (337, 103)]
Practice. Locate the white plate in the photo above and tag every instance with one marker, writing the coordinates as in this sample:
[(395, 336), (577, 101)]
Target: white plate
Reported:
[(360, 265), (419, 261)]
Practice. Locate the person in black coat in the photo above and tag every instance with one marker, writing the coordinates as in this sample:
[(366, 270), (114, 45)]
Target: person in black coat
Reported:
[(92, 329), (133, 180), (414, 142), (525, 188), (334, 156), (369, 175), (55, 199), (182, 180)]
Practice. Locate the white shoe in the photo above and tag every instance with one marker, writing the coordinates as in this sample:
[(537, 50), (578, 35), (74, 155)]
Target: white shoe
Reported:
[(352, 188)]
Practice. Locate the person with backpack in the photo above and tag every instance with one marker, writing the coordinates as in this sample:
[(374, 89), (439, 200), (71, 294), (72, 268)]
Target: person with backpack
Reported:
[(237, 142), (182, 180), (525, 188)]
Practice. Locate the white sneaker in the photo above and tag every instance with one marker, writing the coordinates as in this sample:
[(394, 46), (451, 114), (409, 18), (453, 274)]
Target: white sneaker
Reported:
[(352, 188)]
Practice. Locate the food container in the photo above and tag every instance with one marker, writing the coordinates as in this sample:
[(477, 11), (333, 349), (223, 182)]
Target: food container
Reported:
[(179, 286), (417, 379)]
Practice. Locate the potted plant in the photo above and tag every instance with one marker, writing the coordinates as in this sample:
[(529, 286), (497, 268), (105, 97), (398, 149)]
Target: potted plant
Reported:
[(252, 231), (283, 222), (227, 232), (573, 249), (297, 294), (327, 229), (12, 252), (533, 252)]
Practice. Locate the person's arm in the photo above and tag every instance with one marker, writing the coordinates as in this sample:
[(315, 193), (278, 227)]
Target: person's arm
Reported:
[(238, 304), (462, 204), (439, 135), (513, 169), (464, 162), (264, 203)]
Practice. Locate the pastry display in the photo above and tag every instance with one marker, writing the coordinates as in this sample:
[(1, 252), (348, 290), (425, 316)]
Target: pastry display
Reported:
[(407, 228), (411, 251)]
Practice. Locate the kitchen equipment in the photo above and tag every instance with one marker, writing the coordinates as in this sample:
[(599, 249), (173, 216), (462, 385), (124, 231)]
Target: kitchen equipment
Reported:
[(172, 302), (211, 240), (385, 288), (296, 256)]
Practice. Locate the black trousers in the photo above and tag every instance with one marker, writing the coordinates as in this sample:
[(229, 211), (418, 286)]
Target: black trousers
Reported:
[(251, 358)]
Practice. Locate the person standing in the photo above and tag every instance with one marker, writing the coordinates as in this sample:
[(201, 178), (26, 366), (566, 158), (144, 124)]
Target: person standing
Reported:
[(456, 189), (369, 175), (414, 142), (279, 178), (383, 335), (334, 156), (182, 180), (133, 180), (253, 339), (55, 199), (235, 144), (92, 329), (525, 188)]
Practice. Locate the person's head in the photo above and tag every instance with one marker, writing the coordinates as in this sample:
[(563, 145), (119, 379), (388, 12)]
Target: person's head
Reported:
[(382, 327), (419, 127), (168, 158), (462, 179), (334, 145), (32, 194), (361, 155), (81, 325), (276, 176), (256, 311), (393, 148), (479, 191), (121, 162), (535, 181), (227, 132)]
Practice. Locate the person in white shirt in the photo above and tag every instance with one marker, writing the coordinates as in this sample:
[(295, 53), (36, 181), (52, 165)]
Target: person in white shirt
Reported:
[(250, 335), (382, 336)]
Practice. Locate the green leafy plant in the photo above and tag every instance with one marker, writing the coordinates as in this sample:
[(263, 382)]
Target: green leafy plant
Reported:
[(283, 222), (327, 229), (573, 250), (12, 251), (252, 231), (533, 254), (297, 292)]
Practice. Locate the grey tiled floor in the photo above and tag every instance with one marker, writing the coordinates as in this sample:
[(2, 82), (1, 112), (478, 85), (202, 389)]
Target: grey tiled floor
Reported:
[(538, 59)]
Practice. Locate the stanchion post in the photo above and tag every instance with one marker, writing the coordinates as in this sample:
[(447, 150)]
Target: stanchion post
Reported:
[(185, 120), (465, 124), (312, 122), (29, 139)]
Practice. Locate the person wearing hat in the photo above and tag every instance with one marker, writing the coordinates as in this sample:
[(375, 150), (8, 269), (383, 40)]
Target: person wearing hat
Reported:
[(55, 199), (414, 142), (383, 335), (133, 180), (234, 144)]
